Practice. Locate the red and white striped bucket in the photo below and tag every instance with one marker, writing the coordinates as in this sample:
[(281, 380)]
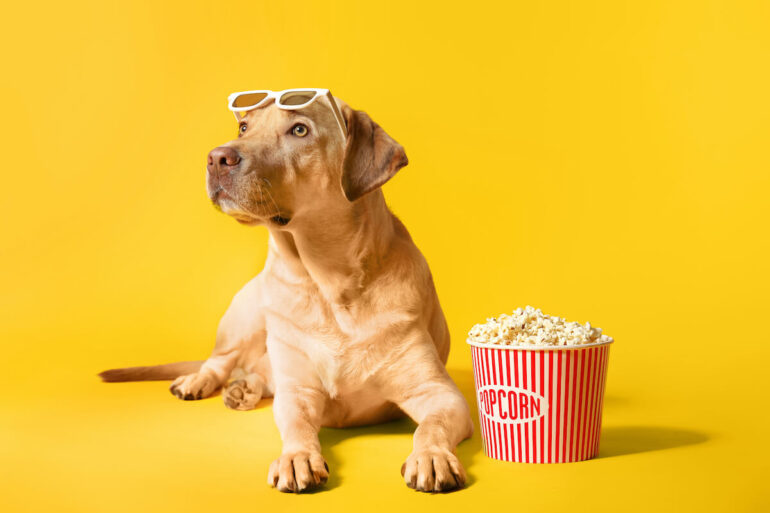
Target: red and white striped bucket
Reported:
[(541, 405)]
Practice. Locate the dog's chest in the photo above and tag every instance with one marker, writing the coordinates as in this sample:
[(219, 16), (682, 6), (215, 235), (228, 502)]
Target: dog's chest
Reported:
[(336, 344)]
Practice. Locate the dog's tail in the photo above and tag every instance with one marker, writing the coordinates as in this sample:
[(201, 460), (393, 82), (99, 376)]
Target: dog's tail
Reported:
[(152, 373)]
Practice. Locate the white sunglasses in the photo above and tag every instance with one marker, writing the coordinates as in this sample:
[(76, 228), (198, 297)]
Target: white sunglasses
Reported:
[(289, 99)]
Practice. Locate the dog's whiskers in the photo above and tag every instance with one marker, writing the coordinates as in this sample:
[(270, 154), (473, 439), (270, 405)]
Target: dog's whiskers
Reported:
[(277, 217), (261, 203)]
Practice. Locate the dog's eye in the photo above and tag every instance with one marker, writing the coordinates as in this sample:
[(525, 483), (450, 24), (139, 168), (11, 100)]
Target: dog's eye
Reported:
[(299, 130), (242, 128)]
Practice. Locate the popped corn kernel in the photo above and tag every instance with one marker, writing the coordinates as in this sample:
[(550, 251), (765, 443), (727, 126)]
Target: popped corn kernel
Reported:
[(529, 326)]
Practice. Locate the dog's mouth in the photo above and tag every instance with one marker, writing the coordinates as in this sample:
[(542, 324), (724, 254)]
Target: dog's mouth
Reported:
[(217, 195), (223, 202), (280, 220), (227, 205), (251, 221), (261, 208), (247, 220)]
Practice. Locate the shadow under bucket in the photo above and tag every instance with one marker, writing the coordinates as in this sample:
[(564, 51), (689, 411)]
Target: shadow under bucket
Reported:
[(540, 404)]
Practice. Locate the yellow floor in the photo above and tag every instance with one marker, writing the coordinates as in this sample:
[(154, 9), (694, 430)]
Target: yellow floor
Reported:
[(94, 447)]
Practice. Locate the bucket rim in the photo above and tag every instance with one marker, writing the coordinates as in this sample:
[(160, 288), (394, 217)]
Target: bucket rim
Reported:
[(538, 348)]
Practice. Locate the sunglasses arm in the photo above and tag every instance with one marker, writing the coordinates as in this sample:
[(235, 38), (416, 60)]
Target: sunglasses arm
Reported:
[(337, 115)]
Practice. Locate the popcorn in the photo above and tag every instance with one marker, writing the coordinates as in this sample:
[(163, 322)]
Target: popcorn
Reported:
[(530, 327)]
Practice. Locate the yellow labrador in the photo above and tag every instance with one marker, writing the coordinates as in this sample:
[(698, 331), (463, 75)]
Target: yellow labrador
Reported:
[(343, 326)]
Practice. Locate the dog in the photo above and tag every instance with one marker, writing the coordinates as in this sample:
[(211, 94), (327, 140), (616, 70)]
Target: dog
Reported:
[(343, 326)]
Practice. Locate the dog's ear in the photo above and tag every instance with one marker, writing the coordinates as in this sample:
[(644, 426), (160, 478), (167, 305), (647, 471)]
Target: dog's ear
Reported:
[(372, 157)]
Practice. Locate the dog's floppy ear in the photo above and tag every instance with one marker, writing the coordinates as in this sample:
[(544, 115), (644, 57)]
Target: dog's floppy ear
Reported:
[(372, 157)]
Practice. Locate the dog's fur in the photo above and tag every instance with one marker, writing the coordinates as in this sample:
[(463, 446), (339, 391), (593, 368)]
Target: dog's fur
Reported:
[(343, 326)]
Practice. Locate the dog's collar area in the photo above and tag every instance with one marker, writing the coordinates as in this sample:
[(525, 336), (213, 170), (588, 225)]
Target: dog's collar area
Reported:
[(282, 221)]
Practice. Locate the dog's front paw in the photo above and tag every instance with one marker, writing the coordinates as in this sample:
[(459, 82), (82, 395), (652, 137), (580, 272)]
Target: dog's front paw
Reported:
[(433, 470), (193, 386), (298, 472)]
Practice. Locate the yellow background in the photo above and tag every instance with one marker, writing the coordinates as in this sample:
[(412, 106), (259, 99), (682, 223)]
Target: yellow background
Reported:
[(605, 161)]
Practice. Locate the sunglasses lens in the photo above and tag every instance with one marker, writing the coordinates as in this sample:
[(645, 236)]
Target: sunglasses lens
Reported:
[(296, 98), (248, 99)]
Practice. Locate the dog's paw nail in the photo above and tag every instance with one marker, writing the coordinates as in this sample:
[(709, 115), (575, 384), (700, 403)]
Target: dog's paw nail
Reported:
[(189, 397)]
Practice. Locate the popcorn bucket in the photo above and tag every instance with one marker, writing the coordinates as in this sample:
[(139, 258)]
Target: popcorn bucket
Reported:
[(542, 404)]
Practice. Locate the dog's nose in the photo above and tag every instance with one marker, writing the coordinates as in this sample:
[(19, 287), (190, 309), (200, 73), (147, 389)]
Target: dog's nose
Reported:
[(223, 159)]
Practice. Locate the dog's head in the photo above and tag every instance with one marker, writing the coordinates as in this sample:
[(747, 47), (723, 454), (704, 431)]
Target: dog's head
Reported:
[(286, 164)]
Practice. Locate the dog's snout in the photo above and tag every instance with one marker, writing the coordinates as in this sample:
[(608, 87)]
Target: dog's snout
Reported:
[(223, 158)]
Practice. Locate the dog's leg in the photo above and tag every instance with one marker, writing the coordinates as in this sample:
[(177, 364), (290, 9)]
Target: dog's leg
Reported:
[(206, 381), (444, 421), (425, 392), (245, 392), (240, 336), (298, 413)]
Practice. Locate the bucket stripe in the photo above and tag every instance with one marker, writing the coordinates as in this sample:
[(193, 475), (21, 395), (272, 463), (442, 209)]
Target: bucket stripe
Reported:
[(565, 400), (595, 399), (592, 405), (596, 427), (591, 371), (474, 356), (599, 403), (523, 427), (536, 424), (540, 406), (579, 417), (589, 405), (517, 384), (541, 421), (596, 404), (557, 399), (598, 409), (584, 430), (548, 458), (603, 385)]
